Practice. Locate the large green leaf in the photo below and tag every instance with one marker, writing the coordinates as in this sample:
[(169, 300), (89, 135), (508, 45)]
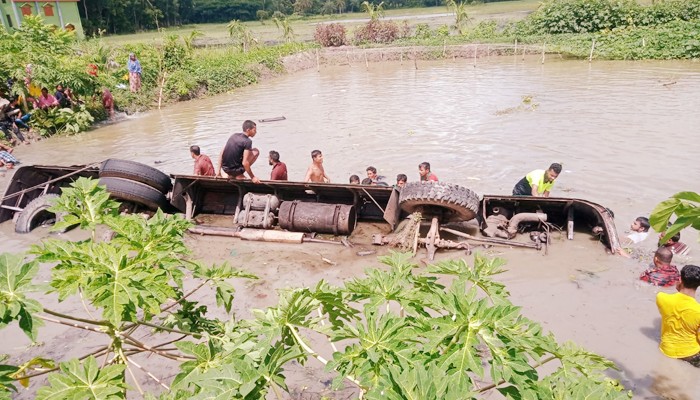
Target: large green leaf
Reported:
[(15, 283), (85, 381)]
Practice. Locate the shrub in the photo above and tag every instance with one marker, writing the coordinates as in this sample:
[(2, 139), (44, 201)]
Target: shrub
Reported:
[(330, 35), (582, 16), (262, 15), (56, 121), (377, 31)]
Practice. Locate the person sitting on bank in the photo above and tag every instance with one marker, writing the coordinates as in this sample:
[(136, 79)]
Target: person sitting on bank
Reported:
[(661, 273), (6, 158), (401, 180), (538, 183), (238, 154), (425, 174), (61, 97), (202, 162), (279, 169), (46, 100), (680, 318), (354, 180), (639, 230), (316, 173), (675, 245)]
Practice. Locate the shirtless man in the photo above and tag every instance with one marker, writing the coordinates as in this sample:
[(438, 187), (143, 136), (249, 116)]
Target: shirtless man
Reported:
[(316, 173), (238, 155)]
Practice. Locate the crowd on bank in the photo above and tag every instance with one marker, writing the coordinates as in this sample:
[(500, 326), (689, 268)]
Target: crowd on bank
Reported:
[(680, 312), (16, 111)]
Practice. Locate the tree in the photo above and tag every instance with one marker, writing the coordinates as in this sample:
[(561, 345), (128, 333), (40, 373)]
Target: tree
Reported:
[(285, 26), (241, 35), (374, 11), (461, 16)]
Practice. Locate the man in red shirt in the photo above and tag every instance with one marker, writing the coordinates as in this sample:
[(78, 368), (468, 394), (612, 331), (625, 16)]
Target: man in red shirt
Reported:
[(662, 273), (202, 162), (424, 172), (279, 169)]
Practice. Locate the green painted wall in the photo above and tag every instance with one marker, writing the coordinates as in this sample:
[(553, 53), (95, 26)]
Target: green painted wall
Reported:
[(68, 11)]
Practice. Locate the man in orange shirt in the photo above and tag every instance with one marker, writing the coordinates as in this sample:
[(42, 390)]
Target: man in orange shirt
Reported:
[(680, 318)]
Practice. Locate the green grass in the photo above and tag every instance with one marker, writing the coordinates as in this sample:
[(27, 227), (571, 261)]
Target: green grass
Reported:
[(304, 27)]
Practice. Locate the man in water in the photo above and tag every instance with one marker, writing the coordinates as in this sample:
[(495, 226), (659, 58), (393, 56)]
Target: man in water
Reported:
[(538, 183), (238, 155), (680, 318), (424, 172), (662, 272), (279, 169), (202, 162), (401, 180), (316, 173)]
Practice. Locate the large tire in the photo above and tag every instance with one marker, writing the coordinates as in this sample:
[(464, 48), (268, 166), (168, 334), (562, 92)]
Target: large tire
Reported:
[(136, 192), (36, 213), (113, 168), (451, 202)]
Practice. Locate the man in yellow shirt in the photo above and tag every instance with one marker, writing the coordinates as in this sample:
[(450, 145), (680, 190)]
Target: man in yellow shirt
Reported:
[(538, 183), (680, 318)]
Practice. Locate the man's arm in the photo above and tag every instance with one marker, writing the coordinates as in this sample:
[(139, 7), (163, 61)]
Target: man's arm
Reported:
[(246, 166), (307, 178), (325, 177), (221, 161), (534, 191), (546, 193)]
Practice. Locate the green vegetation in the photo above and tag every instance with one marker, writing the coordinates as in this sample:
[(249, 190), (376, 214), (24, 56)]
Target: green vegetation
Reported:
[(685, 206), (448, 331)]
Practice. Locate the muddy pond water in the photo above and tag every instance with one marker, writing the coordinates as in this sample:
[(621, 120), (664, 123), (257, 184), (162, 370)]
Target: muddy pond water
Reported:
[(626, 133)]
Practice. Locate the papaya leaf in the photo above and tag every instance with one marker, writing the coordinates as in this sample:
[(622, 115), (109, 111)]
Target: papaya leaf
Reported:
[(6, 379), (15, 283), (85, 381)]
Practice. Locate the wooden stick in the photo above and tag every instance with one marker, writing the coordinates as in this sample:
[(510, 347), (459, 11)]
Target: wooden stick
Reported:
[(590, 57)]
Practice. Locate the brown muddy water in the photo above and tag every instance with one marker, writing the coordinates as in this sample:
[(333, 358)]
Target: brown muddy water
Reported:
[(626, 133)]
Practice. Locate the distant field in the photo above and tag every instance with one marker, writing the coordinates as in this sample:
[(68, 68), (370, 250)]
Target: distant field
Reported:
[(304, 27)]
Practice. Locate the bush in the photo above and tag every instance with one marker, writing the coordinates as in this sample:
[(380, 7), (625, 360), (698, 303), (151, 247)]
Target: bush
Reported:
[(330, 35), (262, 15), (582, 16), (377, 31), (57, 121)]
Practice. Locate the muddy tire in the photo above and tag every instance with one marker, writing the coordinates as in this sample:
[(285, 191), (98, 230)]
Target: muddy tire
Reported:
[(451, 202), (135, 192), (125, 169), (36, 214)]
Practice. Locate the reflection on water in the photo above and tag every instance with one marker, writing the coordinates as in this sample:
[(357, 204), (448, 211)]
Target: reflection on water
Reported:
[(625, 132)]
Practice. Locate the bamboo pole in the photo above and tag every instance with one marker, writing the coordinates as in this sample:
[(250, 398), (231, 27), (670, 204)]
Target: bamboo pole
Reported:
[(544, 45), (590, 57), (366, 60), (318, 62)]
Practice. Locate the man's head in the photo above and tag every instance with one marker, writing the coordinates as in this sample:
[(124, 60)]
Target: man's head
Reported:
[(371, 173), (690, 276), (366, 181), (424, 169), (552, 172), (670, 242), (195, 151), (641, 224), (250, 128), (317, 156), (44, 91), (274, 157), (354, 179), (663, 256), (401, 180)]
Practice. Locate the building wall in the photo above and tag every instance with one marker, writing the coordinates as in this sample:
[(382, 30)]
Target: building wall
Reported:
[(62, 10)]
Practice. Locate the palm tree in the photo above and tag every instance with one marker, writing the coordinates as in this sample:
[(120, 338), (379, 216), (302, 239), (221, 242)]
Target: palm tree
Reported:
[(461, 15), (374, 11), (286, 28), (240, 34), (189, 39)]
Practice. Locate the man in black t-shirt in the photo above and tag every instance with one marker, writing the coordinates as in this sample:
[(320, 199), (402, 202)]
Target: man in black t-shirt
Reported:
[(238, 155)]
